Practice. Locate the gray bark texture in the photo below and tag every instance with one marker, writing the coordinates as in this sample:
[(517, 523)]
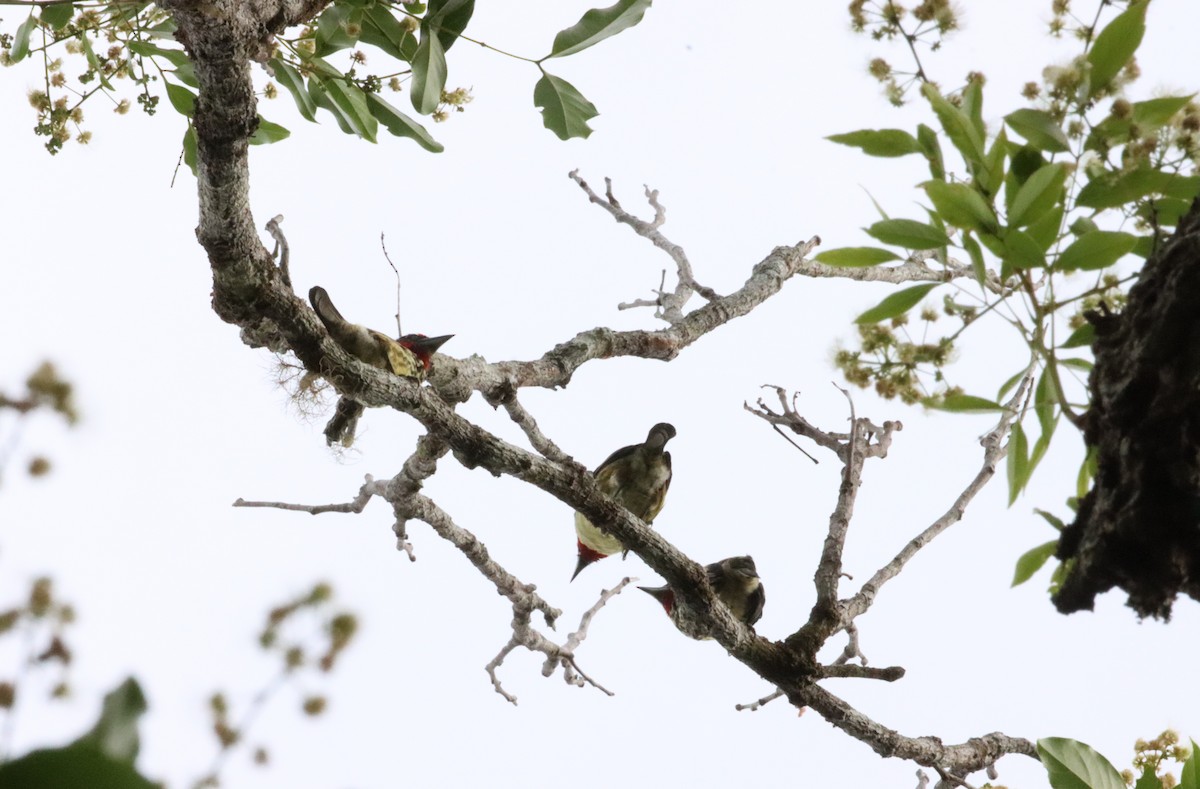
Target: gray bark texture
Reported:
[(1138, 528)]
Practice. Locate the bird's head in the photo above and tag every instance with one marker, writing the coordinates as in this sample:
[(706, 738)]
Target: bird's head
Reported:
[(665, 595), (742, 567), (660, 434), (423, 347)]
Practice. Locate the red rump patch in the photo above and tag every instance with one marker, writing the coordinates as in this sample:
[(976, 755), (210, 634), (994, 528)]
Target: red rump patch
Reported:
[(588, 555)]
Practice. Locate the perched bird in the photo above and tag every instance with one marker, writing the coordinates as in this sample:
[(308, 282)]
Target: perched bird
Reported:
[(735, 582), (410, 356), (637, 478)]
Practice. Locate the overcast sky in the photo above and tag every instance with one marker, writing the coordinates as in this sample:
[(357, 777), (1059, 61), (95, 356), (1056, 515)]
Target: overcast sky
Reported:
[(723, 108)]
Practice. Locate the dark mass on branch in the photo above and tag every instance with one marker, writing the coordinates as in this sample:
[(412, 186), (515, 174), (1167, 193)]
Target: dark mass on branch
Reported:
[(1138, 528)]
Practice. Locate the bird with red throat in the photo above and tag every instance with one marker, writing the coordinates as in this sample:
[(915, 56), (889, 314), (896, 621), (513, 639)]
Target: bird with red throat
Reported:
[(410, 356), (637, 478)]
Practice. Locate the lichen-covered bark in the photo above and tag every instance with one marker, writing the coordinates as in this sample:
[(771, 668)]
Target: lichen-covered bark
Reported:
[(1139, 526)]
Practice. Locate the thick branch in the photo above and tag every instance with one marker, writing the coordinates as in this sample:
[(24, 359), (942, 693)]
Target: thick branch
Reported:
[(975, 754)]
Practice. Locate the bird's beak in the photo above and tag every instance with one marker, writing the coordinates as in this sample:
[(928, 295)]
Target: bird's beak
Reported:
[(579, 565), (429, 345)]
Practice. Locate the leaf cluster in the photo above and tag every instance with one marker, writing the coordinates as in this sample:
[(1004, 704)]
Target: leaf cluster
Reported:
[(1051, 214), (321, 65)]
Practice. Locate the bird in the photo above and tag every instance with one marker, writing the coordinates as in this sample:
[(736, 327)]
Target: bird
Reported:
[(637, 478), (409, 356), (736, 583)]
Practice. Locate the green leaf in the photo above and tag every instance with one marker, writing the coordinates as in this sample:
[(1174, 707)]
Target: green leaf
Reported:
[(896, 304), (564, 109), (323, 68), (1022, 252), (1053, 520), (1040, 192), (958, 127), (1190, 777), (908, 233), (972, 105), (1085, 335), (347, 103), (268, 132), (115, 733), (976, 254), (932, 148), (449, 18), (400, 124), (182, 99), (189, 148), (855, 257), (1007, 386), (1078, 364), (1152, 113), (333, 29), (961, 206), (20, 45), (991, 176), (1032, 560), (57, 16), (597, 25), (290, 78), (968, 404), (1115, 45), (1039, 450), (1087, 470), (1164, 211), (1111, 190), (1096, 250), (382, 29), (1039, 129), (1045, 403), (428, 74), (879, 142), (1148, 780), (1018, 463), (1073, 765), (93, 61), (73, 766), (1045, 229), (321, 99), (184, 71)]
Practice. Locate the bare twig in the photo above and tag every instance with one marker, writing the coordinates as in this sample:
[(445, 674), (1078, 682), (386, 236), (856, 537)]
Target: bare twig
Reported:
[(396, 271), (889, 674), (851, 651), (754, 705), (576, 638), (281, 247), (556, 656), (671, 303), (994, 452), (788, 439), (369, 488), (537, 438), (491, 667)]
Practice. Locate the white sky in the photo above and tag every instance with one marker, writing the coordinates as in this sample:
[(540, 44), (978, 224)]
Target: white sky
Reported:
[(722, 110)]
